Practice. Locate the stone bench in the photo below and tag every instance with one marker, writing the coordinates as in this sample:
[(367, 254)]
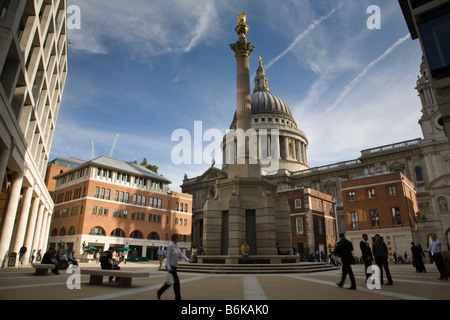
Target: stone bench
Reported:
[(42, 268), (124, 277)]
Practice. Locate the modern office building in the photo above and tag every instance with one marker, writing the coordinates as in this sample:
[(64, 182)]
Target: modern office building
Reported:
[(381, 203), (33, 70), (107, 202)]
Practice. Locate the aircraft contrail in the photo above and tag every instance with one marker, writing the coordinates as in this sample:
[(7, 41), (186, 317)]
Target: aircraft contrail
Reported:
[(350, 86), (310, 28)]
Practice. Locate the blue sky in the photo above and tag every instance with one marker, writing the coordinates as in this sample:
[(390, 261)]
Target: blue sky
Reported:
[(141, 71)]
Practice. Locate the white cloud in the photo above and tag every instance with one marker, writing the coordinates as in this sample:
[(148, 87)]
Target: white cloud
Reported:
[(145, 28)]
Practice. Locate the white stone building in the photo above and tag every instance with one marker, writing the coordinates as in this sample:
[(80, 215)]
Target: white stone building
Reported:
[(33, 66)]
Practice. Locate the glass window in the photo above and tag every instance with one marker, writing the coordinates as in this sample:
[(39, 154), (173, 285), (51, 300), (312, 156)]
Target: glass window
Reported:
[(434, 32), (374, 218), (97, 190), (299, 225), (396, 219), (352, 195), (419, 175), (371, 193), (298, 203), (355, 220), (392, 191)]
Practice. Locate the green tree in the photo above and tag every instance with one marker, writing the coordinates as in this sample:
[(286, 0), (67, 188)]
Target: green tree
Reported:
[(147, 165)]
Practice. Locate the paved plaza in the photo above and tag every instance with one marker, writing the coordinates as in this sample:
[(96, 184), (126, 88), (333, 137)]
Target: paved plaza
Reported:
[(22, 284)]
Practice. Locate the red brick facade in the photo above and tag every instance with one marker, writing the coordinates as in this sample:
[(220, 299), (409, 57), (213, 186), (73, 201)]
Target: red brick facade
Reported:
[(313, 223), (105, 210)]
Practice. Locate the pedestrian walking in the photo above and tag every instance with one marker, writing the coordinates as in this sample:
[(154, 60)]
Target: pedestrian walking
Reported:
[(344, 249), (436, 253), (366, 252), (173, 254), (381, 254), (160, 255), (417, 255), (22, 253)]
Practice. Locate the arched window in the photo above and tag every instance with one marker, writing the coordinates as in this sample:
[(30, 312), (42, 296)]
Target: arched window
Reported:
[(118, 233), (419, 175), (71, 231), (136, 234), (97, 231), (153, 236), (62, 232), (54, 232)]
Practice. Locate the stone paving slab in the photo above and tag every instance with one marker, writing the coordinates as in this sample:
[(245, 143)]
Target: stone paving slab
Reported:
[(199, 289)]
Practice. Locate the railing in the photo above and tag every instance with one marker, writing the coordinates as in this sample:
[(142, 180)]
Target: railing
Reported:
[(391, 147)]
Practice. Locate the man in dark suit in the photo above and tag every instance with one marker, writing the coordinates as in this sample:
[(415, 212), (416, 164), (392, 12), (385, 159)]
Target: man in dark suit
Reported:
[(366, 254), (344, 249)]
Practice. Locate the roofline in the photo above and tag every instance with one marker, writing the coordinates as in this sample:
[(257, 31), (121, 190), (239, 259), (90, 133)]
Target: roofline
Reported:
[(90, 162)]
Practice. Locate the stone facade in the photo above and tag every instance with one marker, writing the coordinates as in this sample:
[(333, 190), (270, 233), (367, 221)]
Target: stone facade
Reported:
[(33, 64)]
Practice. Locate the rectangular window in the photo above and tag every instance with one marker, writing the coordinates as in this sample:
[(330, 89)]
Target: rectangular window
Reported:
[(94, 210), (150, 203), (159, 204), (396, 219), (299, 225), (392, 191), (134, 199), (371, 193), (121, 196), (97, 190), (355, 220), (102, 193), (186, 208), (105, 211), (127, 197), (100, 211), (297, 203), (374, 218), (116, 196), (139, 199), (351, 195), (108, 193), (144, 200), (177, 206)]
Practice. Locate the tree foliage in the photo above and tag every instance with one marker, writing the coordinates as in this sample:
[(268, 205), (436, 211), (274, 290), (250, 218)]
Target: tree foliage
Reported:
[(147, 165)]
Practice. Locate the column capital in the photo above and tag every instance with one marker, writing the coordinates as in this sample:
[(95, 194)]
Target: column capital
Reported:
[(242, 47)]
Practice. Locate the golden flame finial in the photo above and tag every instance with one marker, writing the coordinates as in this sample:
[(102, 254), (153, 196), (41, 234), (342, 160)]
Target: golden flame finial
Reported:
[(241, 28)]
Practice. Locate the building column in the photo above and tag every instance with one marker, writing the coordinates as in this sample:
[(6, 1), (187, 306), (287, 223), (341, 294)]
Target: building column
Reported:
[(45, 229), (4, 156), (9, 216), (37, 231), (22, 221), (30, 233)]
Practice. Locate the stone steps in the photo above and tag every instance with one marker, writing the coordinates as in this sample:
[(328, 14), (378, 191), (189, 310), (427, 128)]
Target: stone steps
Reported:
[(255, 268)]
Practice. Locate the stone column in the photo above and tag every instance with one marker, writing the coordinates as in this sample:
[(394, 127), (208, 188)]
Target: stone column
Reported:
[(37, 231), (31, 227), (44, 231), (4, 156), (22, 222), (9, 216)]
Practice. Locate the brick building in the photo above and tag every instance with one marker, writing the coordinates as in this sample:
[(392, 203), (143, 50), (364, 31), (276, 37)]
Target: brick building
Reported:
[(383, 203), (107, 202), (313, 220)]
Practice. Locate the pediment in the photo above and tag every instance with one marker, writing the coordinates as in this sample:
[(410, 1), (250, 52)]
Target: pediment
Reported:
[(212, 173), (440, 182)]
